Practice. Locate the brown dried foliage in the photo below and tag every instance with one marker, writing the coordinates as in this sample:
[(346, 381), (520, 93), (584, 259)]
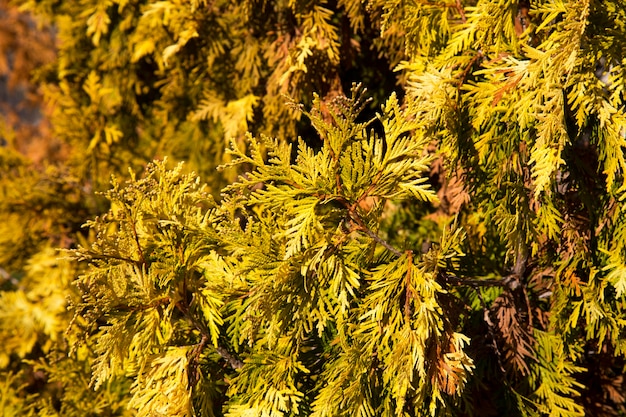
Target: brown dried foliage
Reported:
[(516, 342)]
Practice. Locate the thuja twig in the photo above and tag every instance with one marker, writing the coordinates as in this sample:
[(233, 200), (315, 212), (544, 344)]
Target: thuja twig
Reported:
[(233, 361), (361, 226), (461, 10), (409, 292)]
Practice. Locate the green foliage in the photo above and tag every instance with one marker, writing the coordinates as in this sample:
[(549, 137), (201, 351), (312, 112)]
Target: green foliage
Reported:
[(139, 79), (287, 260), (556, 389), (454, 248), (12, 402)]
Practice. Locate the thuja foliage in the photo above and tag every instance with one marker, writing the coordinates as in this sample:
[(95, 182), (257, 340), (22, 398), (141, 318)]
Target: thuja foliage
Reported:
[(142, 79), (287, 289), (133, 81), (456, 248)]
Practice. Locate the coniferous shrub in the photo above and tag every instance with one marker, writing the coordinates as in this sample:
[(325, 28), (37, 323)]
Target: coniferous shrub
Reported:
[(454, 247)]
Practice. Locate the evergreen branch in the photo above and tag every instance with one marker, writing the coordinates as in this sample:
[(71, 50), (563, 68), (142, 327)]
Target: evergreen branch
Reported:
[(89, 255), (337, 169), (361, 226), (521, 259), (518, 272), (143, 307), (232, 360), (461, 10), (194, 360), (356, 223), (136, 238), (408, 289), (510, 282), (468, 68), (195, 353), (475, 283)]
